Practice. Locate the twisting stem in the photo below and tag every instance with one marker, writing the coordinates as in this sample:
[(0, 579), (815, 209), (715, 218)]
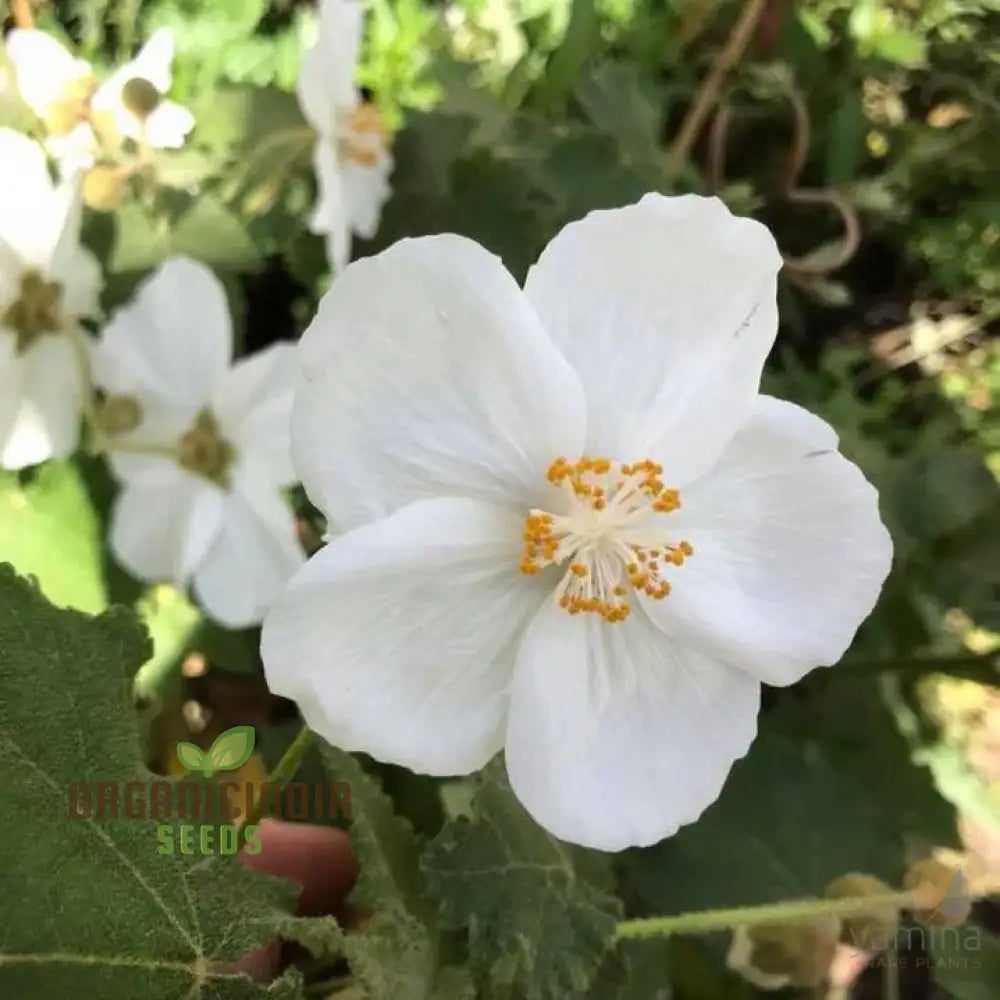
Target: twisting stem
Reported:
[(804, 909), (708, 93), (283, 770)]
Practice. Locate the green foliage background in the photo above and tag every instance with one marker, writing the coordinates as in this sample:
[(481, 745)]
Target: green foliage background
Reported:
[(514, 117)]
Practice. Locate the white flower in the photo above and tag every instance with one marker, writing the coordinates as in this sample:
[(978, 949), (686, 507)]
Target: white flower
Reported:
[(133, 97), (47, 282), (351, 158), (207, 506), (58, 87), (488, 594), (80, 115)]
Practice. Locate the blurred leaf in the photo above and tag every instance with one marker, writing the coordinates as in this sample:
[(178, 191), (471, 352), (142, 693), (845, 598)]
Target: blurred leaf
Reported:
[(49, 529), (937, 494), (845, 144), (825, 789), (620, 101), (635, 970), (538, 925), (205, 229), (564, 65), (160, 921)]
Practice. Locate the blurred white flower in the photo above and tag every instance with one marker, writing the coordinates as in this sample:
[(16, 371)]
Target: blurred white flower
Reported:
[(47, 282), (58, 87), (80, 115), (207, 508), (351, 159), (133, 98), (609, 619)]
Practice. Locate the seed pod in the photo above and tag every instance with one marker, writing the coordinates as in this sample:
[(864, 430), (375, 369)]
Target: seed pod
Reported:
[(941, 896), (869, 931)]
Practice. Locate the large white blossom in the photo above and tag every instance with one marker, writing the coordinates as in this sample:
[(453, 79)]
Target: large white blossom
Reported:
[(48, 281), (80, 114), (201, 446), (351, 158), (574, 528)]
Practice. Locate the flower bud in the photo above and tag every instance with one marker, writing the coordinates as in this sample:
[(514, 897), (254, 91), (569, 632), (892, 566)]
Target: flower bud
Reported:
[(140, 97), (775, 955), (940, 892), (102, 188), (868, 931)]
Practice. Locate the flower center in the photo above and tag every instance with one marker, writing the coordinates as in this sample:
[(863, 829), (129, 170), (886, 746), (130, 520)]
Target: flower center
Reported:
[(204, 451), (363, 134), (140, 97), (35, 311), (612, 531), (72, 106)]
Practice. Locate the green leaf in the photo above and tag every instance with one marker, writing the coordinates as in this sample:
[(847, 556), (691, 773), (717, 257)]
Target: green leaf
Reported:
[(191, 756), (622, 103), (398, 952), (232, 749), (827, 788), (564, 65), (203, 228), (636, 970), (91, 907), (539, 920), (49, 529)]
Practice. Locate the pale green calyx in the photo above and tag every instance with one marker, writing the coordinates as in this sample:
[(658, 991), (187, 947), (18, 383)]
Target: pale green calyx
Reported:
[(119, 414), (35, 311), (204, 451)]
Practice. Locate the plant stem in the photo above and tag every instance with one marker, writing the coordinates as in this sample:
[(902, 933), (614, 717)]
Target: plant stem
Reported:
[(283, 770), (20, 11), (800, 909), (708, 93), (977, 666)]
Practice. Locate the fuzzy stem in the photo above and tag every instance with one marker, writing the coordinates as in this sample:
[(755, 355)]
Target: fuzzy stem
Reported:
[(283, 770), (797, 909)]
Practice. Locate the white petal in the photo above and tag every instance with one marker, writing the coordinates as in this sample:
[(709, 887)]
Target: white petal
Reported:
[(168, 125), (617, 734), (74, 152), (72, 265), (366, 190), (329, 215), (31, 211), (396, 639), (42, 67), (48, 419), (426, 373), (254, 404), (173, 343), (165, 522), (667, 310), (326, 79), (153, 60), (11, 374), (252, 558), (789, 552)]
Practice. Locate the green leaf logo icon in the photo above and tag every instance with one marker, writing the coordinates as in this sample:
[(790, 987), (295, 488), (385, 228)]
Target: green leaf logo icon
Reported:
[(231, 749)]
